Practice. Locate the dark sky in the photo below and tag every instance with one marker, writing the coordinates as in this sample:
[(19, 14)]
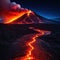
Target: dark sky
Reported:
[(46, 8)]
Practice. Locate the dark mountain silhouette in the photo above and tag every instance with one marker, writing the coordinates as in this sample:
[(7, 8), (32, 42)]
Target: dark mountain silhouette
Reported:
[(57, 19)]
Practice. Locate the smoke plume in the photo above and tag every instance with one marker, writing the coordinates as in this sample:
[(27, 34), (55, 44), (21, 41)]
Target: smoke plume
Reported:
[(8, 6)]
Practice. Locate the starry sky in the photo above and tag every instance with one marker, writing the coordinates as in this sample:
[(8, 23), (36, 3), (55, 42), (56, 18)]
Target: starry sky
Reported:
[(47, 8)]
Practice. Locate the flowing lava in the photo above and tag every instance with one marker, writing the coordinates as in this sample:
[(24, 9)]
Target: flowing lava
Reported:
[(30, 55)]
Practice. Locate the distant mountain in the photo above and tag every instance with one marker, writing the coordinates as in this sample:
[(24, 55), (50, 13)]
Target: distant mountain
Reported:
[(57, 19)]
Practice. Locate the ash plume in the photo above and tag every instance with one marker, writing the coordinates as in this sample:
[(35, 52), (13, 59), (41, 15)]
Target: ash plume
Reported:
[(7, 6)]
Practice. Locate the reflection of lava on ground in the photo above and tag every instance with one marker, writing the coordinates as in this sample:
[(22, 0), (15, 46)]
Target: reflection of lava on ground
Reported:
[(30, 54), (14, 41)]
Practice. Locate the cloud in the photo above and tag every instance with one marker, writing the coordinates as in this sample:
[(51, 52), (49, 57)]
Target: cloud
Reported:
[(7, 5), (15, 6)]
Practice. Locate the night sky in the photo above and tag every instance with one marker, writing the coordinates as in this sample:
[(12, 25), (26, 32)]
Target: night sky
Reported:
[(47, 8)]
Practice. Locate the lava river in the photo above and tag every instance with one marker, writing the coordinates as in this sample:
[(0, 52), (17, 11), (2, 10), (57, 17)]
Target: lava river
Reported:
[(30, 54)]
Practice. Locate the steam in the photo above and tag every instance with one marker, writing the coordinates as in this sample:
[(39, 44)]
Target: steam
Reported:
[(7, 5), (15, 6)]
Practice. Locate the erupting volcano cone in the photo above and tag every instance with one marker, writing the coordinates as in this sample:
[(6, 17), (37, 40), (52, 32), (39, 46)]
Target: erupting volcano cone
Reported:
[(24, 17)]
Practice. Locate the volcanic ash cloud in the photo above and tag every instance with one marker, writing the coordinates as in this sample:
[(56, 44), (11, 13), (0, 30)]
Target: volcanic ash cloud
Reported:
[(8, 7)]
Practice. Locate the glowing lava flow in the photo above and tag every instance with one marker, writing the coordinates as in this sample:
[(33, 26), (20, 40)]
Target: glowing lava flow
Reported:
[(28, 13), (30, 55)]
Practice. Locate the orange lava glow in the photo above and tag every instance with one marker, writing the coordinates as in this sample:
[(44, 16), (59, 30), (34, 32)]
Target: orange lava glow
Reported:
[(28, 13), (12, 16), (30, 55)]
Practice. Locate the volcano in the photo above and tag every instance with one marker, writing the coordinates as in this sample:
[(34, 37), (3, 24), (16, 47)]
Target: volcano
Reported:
[(29, 17)]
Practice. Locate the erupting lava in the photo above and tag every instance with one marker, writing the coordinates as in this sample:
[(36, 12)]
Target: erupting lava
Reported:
[(28, 13), (30, 55)]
